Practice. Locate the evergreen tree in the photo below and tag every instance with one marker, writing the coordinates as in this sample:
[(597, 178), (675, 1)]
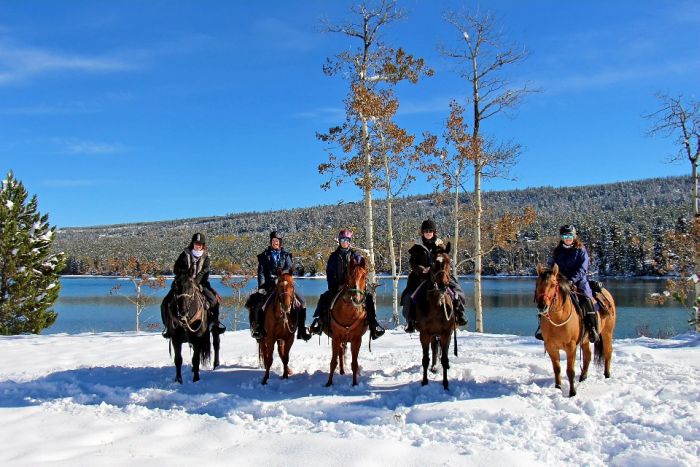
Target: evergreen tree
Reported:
[(29, 282)]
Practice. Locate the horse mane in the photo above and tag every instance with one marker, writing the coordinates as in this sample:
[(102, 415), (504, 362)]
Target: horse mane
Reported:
[(564, 286)]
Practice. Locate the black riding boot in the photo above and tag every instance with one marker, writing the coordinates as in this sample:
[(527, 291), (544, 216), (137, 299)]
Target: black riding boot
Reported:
[(592, 325), (302, 333), (375, 329), (410, 315), (164, 318), (217, 326), (538, 333), (459, 313)]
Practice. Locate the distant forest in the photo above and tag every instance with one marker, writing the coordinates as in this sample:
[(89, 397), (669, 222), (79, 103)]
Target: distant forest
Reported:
[(624, 225)]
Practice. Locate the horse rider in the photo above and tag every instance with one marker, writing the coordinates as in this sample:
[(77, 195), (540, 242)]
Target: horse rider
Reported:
[(272, 259), (572, 258), (194, 263), (336, 271), (421, 257)]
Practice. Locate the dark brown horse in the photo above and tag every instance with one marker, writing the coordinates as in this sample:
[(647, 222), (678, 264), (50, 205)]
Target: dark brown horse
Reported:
[(280, 324), (435, 317), (347, 319), (189, 323), (562, 327)]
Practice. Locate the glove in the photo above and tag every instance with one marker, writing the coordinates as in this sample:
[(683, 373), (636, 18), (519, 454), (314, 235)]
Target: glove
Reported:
[(424, 269), (262, 291)]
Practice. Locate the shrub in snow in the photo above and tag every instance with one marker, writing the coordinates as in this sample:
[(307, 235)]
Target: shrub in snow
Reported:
[(29, 283)]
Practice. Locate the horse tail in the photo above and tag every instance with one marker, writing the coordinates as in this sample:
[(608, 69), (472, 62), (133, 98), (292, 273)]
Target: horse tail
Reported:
[(205, 352), (598, 357)]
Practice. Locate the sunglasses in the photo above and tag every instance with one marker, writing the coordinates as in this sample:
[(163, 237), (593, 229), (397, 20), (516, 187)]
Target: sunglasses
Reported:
[(428, 231), (344, 240), (568, 236)]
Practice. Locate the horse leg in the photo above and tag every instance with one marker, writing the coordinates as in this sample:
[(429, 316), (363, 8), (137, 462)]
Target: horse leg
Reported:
[(556, 365), (177, 347), (445, 357), (196, 353), (607, 352), (268, 352), (586, 361), (283, 349), (341, 357), (570, 367), (434, 348), (217, 343), (425, 339), (334, 360), (355, 350)]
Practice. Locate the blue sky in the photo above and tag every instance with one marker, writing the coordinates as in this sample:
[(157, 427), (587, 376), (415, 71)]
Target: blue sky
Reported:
[(128, 111)]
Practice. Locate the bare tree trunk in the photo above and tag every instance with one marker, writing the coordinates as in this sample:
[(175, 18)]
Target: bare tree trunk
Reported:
[(138, 310), (369, 220), (478, 313), (455, 247), (392, 252), (695, 189)]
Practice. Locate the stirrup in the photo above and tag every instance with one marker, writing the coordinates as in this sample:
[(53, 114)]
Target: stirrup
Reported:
[(316, 326), (538, 335), (376, 331), (218, 328), (165, 333), (410, 326)]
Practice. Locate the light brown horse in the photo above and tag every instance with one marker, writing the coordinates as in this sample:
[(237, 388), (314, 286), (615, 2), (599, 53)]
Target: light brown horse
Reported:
[(280, 324), (562, 327), (435, 317), (347, 319)]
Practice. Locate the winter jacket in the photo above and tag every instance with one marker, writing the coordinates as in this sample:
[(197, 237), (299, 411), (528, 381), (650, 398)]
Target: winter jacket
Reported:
[(185, 267), (573, 264), (422, 255), (337, 266), (267, 266)]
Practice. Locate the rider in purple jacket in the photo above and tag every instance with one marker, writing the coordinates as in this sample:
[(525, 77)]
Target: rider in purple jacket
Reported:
[(572, 258)]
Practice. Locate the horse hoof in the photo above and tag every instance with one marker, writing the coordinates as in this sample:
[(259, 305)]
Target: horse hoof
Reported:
[(446, 386), (264, 382), (582, 378), (572, 393), (195, 378), (424, 383), (178, 380), (329, 384), (433, 370), (342, 372), (216, 364), (558, 386), (607, 375)]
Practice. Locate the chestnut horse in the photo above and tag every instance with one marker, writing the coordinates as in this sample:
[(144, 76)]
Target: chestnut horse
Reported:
[(435, 317), (562, 327), (280, 324), (189, 323), (347, 319)]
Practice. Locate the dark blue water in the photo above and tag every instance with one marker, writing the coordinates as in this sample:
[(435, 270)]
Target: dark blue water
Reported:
[(85, 305)]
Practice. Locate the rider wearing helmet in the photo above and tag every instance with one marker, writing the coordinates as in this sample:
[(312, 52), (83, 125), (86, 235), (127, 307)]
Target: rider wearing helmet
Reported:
[(270, 261), (336, 270), (572, 258), (421, 257), (194, 263)]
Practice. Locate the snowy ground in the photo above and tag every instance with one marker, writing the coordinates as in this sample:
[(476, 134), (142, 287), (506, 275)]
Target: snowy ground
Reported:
[(110, 399)]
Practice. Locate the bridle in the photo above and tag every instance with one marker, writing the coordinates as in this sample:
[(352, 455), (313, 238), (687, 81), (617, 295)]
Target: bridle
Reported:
[(183, 319), (551, 296), (441, 287)]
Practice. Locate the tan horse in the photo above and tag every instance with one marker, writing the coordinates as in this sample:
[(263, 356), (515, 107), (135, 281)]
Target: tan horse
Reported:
[(280, 325), (562, 327), (435, 318), (347, 319)]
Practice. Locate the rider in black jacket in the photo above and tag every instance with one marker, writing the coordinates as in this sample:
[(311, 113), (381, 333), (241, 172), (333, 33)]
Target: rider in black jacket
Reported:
[(336, 270), (194, 263), (421, 258), (270, 261)]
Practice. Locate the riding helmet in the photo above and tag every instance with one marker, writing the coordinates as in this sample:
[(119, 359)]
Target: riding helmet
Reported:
[(428, 224), (198, 238), (567, 229), (273, 235), (345, 233)]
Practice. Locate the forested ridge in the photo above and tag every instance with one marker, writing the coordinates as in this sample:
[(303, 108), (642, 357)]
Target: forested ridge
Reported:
[(625, 226)]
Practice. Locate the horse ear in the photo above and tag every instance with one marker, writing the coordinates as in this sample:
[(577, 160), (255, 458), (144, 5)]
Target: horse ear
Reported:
[(555, 269), (448, 247), (540, 269), (361, 263)]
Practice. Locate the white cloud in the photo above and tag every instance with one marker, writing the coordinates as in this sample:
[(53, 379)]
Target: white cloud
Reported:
[(20, 63), (82, 147)]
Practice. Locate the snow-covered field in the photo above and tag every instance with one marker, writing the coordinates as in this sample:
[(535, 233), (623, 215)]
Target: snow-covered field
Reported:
[(110, 399)]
